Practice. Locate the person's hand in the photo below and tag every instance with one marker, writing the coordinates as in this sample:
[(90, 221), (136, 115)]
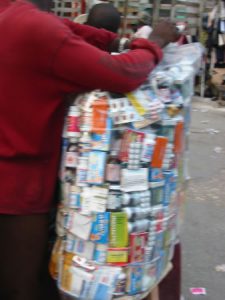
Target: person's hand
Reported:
[(143, 32), (164, 33)]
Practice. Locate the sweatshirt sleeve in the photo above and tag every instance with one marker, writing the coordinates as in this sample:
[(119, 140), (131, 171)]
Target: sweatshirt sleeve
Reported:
[(78, 64), (99, 38)]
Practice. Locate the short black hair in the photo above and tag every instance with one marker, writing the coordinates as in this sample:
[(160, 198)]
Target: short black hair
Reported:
[(104, 15), (42, 4)]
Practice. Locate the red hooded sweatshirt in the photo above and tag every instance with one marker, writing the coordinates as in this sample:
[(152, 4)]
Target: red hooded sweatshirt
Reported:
[(42, 59)]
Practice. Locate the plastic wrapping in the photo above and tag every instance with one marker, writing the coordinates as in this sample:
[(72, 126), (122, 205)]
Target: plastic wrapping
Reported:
[(185, 55), (121, 181)]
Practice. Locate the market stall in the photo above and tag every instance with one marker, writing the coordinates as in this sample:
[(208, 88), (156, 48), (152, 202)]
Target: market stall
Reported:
[(186, 11), (122, 183)]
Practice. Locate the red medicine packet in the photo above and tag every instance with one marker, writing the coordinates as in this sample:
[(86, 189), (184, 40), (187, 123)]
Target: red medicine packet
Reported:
[(99, 115), (179, 137), (129, 136), (198, 291), (137, 246), (159, 152)]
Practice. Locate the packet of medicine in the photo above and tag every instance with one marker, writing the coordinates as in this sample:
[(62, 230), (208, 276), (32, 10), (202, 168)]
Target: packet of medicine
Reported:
[(96, 167), (100, 228), (102, 141), (99, 115), (118, 230), (129, 136)]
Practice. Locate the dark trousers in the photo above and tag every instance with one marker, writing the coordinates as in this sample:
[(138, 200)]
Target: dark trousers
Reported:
[(24, 259), (170, 287)]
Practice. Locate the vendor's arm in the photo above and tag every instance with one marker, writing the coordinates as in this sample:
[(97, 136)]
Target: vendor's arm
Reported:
[(100, 38), (79, 64)]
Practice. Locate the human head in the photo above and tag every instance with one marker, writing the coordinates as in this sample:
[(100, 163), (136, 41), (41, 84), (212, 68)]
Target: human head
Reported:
[(42, 4), (104, 15)]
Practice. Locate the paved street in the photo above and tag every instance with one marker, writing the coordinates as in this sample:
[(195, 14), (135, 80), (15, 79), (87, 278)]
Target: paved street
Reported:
[(203, 231)]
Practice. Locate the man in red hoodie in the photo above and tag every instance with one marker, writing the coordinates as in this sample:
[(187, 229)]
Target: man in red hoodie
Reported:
[(42, 60)]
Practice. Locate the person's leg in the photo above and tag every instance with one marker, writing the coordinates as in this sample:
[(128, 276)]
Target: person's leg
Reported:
[(22, 252), (170, 287), (49, 285), (50, 290)]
